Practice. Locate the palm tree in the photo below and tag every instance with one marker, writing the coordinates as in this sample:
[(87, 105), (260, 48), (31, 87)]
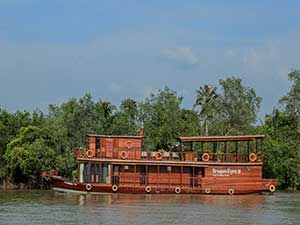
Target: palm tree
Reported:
[(104, 110), (107, 108), (205, 96)]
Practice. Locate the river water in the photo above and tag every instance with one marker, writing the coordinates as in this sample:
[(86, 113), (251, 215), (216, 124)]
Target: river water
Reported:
[(49, 207)]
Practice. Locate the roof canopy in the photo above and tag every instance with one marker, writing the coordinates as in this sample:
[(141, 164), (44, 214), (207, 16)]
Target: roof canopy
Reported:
[(220, 138), (115, 136)]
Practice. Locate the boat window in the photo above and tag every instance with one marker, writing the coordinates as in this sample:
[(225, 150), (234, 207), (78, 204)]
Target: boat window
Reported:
[(105, 175), (83, 168), (163, 169), (95, 173)]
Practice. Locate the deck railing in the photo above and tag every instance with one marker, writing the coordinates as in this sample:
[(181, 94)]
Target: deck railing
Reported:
[(138, 154), (158, 182)]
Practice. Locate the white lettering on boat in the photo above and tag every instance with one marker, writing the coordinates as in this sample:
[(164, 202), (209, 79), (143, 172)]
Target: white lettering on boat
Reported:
[(225, 172)]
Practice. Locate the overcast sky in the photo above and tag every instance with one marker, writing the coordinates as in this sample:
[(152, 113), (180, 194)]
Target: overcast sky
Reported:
[(52, 50)]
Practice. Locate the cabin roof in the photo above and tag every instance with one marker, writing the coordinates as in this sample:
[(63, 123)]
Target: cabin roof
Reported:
[(115, 136), (221, 138)]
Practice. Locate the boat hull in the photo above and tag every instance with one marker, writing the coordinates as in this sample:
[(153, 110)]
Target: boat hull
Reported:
[(232, 188)]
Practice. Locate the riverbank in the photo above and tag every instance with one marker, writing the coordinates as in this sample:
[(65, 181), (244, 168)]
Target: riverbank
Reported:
[(24, 186)]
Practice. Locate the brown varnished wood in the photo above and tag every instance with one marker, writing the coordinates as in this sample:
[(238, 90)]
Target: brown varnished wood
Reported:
[(221, 138), (188, 171)]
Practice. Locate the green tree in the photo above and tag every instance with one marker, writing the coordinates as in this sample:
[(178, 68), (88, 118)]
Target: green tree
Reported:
[(282, 147), (129, 106), (206, 99), (290, 103), (104, 111), (281, 150), (29, 153), (237, 108), (125, 120), (160, 114), (189, 123), (10, 123)]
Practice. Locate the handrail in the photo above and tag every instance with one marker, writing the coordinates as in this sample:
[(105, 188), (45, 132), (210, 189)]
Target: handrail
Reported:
[(138, 154)]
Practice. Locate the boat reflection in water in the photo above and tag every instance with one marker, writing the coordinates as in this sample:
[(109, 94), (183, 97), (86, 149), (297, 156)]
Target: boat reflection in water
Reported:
[(171, 209), (128, 200), (49, 207)]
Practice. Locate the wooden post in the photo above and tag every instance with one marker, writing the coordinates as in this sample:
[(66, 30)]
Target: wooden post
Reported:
[(146, 180), (229, 151), (181, 172), (157, 176), (79, 172), (135, 175), (89, 172), (256, 145), (111, 173), (170, 176), (248, 147), (100, 172), (181, 151), (241, 151), (193, 177)]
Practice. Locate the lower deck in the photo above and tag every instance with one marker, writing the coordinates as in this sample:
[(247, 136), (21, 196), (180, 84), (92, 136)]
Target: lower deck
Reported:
[(129, 177), (141, 175)]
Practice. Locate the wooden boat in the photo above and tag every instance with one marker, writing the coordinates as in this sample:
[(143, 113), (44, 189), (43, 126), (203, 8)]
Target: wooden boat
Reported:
[(201, 165)]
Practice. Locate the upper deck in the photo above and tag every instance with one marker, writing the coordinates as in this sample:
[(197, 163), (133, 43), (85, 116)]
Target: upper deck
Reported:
[(207, 149), (221, 138)]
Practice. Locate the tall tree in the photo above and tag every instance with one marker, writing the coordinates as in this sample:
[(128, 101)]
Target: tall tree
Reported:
[(160, 114), (291, 101), (30, 152), (238, 107), (125, 119), (205, 99), (104, 114), (282, 149), (282, 146), (10, 123)]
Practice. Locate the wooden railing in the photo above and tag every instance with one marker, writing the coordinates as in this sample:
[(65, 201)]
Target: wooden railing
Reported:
[(160, 180), (138, 154)]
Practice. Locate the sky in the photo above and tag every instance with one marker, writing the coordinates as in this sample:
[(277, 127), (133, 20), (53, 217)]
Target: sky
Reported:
[(51, 51)]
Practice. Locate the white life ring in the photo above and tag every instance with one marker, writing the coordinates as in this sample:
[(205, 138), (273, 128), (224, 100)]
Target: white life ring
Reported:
[(90, 153), (148, 189), (88, 187), (231, 191), (114, 188), (129, 144), (272, 188), (124, 155), (252, 157), (177, 190), (207, 190), (205, 157), (158, 155)]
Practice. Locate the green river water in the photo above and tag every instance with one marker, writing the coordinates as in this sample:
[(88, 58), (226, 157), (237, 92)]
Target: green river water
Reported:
[(49, 207)]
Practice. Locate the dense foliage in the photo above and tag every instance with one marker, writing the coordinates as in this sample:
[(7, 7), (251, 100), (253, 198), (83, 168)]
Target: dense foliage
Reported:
[(33, 142)]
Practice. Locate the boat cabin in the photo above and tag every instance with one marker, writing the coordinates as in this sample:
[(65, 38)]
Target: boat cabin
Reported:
[(198, 165)]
